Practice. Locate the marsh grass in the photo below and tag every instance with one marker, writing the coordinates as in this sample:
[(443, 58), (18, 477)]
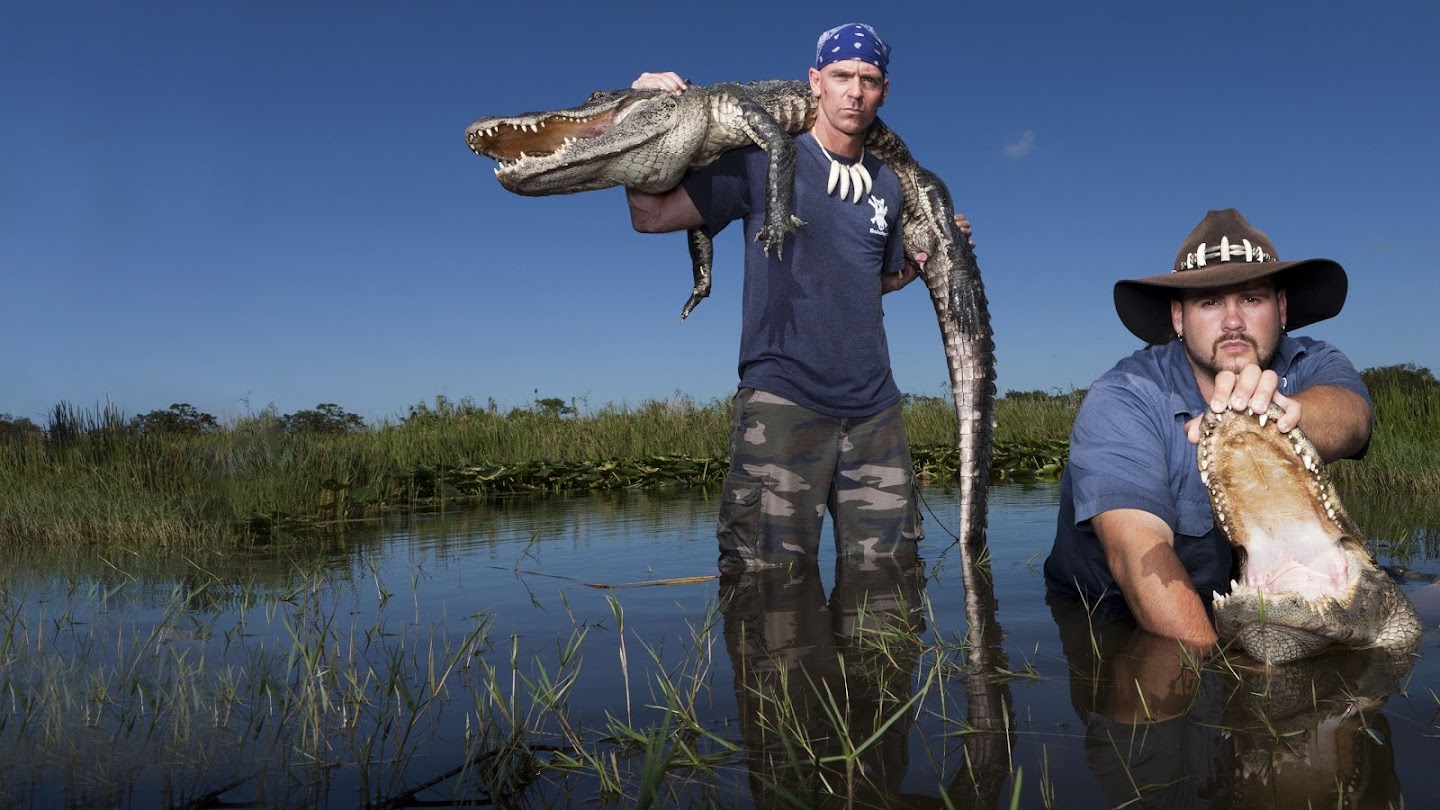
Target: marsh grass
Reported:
[(92, 479), (1394, 492), (289, 696)]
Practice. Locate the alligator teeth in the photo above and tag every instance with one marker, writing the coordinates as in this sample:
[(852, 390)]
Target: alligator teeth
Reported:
[(834, 177), (845, 177), (864, 175), (1264, 417)]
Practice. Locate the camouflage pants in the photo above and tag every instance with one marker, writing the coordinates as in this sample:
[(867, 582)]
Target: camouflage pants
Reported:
[(789, 465)]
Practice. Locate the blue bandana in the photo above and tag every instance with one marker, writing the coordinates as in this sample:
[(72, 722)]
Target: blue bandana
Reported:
[(852, 41)]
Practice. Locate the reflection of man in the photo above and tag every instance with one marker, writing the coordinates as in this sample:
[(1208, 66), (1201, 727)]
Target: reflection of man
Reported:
[(797, 659), (1149, 723)]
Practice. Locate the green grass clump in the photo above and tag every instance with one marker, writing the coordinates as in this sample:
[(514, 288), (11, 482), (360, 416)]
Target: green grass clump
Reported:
[(1392, 492)]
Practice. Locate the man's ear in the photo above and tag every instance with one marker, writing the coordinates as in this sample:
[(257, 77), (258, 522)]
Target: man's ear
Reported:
[(814, 82)]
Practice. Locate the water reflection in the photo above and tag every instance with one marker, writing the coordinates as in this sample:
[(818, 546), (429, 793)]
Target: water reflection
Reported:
[(490, 640), (1163, 730), (816, 680)]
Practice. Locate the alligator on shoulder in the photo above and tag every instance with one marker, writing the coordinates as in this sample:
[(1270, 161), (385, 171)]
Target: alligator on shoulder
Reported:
[(1308, 579), (648, 139)]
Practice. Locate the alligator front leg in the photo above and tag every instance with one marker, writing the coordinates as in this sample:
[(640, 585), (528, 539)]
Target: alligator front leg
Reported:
[(780, 219), (702, 259)]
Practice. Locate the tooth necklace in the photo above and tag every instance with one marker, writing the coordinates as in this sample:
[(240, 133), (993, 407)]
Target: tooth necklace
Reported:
[(847, 177)]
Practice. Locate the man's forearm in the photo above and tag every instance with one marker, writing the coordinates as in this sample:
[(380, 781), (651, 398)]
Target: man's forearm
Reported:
[(1155, 584), (662, 213), (1336, 420)]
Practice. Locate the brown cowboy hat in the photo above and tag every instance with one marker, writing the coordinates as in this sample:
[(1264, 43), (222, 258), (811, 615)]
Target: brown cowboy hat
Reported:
[(1224, 250)]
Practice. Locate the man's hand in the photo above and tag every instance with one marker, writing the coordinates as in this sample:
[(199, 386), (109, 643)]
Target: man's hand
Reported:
[(1251, 390), (667, 80), (890, 282)]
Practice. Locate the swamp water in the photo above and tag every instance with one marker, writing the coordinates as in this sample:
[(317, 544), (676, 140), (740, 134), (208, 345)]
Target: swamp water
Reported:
[(513, 654)]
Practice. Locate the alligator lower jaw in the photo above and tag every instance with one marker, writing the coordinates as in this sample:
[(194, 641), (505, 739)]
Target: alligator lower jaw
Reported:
[(1276, 628)]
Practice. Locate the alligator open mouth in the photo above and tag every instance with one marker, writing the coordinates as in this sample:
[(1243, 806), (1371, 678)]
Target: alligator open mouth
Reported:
[(1308, 580), (529, 144)]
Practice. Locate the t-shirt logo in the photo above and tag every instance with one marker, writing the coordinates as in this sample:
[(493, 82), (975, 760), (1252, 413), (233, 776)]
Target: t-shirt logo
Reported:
[(882, 228)]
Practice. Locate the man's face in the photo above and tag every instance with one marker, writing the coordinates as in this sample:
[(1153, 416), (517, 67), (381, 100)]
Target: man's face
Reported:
[(1231, 327), (851, 94)]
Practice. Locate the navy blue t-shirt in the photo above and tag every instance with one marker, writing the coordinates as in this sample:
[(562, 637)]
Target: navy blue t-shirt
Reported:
[(813, 327)]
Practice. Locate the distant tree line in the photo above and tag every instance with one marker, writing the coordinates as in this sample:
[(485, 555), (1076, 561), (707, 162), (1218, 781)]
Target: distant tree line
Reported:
[(180, 418)]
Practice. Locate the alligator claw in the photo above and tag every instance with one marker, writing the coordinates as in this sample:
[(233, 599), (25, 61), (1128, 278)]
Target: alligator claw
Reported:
[(700, 293), (773, 235)]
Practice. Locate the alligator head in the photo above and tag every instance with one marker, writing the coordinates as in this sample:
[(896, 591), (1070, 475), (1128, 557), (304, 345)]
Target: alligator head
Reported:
[(1308, 579), (642, 139)]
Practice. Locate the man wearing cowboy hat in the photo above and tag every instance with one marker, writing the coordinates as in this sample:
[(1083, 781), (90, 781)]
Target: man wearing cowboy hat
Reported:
[(1135, 520)]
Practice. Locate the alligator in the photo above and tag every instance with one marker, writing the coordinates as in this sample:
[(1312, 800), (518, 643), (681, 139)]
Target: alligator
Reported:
[(1308, 579), (648, 139)]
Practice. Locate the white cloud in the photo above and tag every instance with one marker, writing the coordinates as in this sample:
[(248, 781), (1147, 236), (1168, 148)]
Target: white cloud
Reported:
[(1022, 146)]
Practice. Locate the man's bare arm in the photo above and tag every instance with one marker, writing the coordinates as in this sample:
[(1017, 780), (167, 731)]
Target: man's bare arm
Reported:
[(1139, 548), (663, 213), (1336, 420)]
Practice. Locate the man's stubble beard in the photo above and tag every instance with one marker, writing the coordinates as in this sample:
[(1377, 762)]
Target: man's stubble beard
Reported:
[(1211, 367)]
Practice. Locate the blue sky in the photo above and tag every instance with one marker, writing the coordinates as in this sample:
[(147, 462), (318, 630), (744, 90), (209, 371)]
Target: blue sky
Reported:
[(237, 204)]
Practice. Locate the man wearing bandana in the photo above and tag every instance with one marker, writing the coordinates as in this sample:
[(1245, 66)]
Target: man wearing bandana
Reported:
[(817, 423)]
